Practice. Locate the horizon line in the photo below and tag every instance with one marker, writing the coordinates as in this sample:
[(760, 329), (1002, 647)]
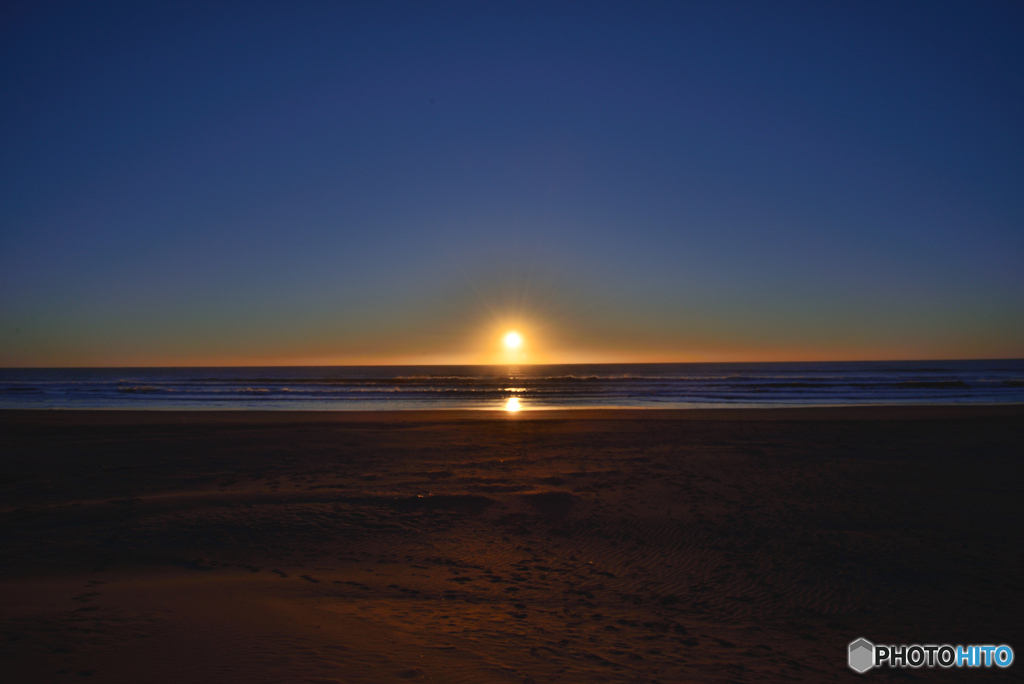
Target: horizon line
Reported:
[(574, 363)]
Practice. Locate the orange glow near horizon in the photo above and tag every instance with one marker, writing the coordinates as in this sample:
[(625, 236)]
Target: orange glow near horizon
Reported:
[(500, 357), (541, 340)]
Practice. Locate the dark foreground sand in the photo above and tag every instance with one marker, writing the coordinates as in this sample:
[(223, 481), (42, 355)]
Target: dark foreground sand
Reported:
[(470, 547)]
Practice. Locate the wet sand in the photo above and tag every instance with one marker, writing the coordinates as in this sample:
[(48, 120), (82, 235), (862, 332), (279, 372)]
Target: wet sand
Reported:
[(571, 546)]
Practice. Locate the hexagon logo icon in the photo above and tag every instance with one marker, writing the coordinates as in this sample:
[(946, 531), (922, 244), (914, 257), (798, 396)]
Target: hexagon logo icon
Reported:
[(862, 655)]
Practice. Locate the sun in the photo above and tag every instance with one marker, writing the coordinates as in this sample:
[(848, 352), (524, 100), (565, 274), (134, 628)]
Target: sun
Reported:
[(513, 340)]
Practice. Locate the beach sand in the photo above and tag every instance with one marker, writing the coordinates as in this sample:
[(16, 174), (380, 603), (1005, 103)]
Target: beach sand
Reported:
[(573, 546)]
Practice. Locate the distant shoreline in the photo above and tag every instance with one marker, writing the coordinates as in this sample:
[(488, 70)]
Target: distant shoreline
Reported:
[(596, 386), (214, 416)]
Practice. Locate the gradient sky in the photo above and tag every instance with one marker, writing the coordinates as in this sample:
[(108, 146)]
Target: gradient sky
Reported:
[(303, 183)]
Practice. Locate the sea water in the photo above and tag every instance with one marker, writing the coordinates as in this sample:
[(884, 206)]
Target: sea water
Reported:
[(535, 387)]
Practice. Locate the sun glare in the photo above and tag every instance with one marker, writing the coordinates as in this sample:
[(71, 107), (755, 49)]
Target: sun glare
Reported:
[(512, 404), (513, 340)]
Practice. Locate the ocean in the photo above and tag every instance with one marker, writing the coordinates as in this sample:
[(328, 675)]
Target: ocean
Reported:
[(527, 387)]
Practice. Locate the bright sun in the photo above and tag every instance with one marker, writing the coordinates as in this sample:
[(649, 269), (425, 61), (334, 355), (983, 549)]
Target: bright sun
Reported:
[(513, 340)]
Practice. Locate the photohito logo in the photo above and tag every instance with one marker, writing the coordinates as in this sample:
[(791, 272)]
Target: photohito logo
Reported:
[(864, 655)]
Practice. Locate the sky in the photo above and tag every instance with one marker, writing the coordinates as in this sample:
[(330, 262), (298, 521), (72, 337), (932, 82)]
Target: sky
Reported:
[(404, 182)]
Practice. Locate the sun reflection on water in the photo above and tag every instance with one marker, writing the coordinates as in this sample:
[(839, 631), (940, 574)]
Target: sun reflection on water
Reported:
[(512, 404)]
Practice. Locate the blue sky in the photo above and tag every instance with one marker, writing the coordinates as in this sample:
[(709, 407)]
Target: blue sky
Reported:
[(402, 182)]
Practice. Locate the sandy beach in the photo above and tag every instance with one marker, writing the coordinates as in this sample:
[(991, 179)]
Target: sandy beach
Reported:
[(442, 546)]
